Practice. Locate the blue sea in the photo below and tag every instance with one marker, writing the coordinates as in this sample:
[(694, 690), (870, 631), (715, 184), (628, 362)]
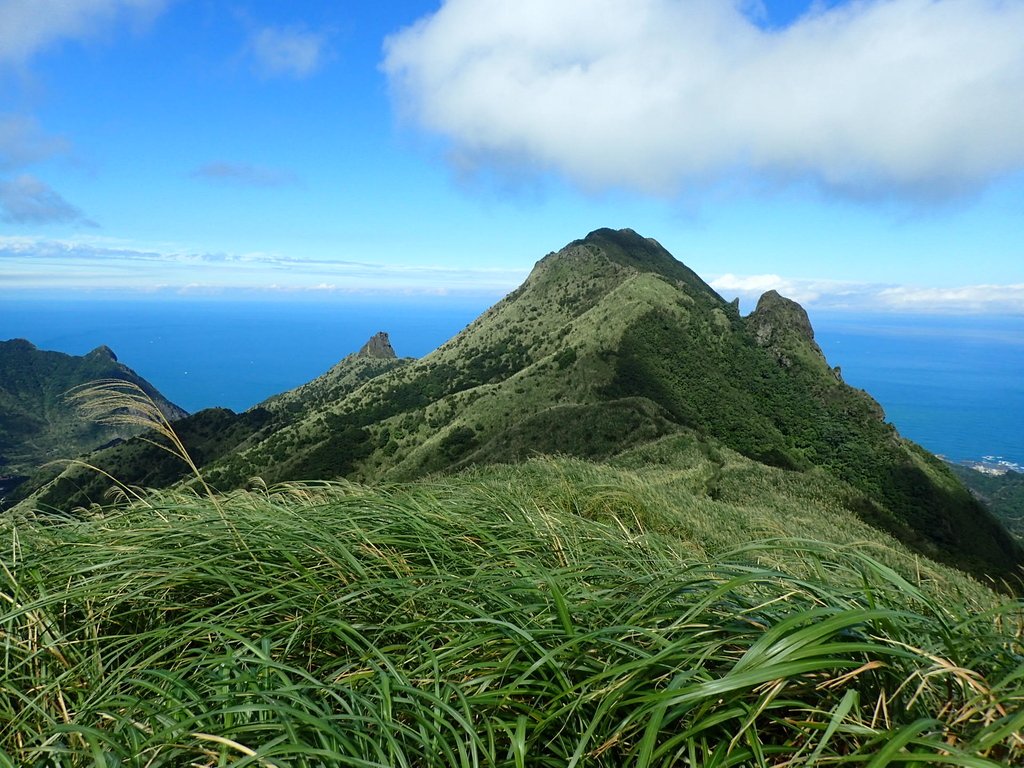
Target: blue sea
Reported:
[(953, 384)]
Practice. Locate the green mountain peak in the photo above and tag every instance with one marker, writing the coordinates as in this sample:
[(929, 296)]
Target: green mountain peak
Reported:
[(103, 352), (609, 349), (644, 254)]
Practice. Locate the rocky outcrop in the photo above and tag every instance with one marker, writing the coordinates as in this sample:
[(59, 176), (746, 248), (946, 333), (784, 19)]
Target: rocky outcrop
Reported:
[(379, 346), (781, 325)]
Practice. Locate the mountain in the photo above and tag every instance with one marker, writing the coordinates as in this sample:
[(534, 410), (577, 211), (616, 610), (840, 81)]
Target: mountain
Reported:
[(210, 435), (612, 348), (37, 422)]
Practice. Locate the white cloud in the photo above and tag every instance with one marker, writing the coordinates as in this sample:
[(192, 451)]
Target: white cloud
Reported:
[(40, 263), (750, 287), (750, 283), (27, 200), (834, 294), (28, 26), (915, 97), (245, 174), (288, 51), (968, 299)]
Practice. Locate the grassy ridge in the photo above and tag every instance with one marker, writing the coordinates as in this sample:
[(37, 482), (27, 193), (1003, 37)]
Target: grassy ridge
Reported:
[(526, 616), (609, 345)]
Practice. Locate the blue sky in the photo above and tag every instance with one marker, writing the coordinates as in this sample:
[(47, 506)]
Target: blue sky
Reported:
[(863, 155)]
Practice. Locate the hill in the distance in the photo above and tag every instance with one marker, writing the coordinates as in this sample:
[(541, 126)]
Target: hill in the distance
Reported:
[(611, 348), (37, 422), (1002, 493)]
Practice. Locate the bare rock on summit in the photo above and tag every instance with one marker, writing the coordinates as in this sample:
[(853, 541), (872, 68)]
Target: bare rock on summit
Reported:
[(378, 346), (782, 326)]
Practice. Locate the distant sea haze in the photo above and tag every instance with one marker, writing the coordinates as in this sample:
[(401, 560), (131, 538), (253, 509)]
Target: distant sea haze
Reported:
[(954, 384)]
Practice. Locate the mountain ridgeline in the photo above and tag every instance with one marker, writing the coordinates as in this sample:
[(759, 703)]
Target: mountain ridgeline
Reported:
[(38, 423), (610, 350)]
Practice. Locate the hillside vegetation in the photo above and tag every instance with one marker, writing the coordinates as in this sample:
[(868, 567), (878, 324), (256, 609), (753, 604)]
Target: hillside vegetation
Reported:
[(610, 345), (210, 435), (611, 523), (554, 613), (37, 423), (1002, 494)]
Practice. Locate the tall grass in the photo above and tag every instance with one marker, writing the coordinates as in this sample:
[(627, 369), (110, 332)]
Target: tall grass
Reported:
[(120, 403), (460, 624)]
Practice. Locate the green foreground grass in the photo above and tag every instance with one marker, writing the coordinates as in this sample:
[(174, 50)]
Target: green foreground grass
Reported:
[(478, 621)]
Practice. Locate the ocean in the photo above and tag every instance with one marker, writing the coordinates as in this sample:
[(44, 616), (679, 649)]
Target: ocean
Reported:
[(953, 384)]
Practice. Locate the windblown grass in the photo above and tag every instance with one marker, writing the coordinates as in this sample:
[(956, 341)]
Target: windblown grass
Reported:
[(120, 403), (458, 624)]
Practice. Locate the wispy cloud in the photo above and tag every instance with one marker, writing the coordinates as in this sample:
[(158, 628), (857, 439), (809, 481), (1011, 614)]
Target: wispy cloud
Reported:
[(970, 298), (831, 294), (917, 98), (287, 51), (23, 142), (245, 174), (29, 26), (27, 200), (109, 264), (101, 263)]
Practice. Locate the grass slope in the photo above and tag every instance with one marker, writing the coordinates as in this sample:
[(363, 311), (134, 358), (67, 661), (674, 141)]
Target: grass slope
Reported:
[(548, 614), (610, 344)]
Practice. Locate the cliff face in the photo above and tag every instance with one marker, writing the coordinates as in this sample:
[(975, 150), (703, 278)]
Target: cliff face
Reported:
[(378, 346), (779, 324)]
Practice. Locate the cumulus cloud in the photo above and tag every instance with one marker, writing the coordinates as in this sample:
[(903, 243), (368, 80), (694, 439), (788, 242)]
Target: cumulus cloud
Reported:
[(245, 175), (922, 98), (27, 200), (287, 51), (751, 284), (28, 26), (750, 288)]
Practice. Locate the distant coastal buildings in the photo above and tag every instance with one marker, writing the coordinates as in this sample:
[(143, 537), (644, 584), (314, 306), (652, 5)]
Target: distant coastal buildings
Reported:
[(994, 465)]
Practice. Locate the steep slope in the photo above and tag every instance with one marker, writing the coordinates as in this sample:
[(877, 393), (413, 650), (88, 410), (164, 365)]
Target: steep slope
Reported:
[(374, 358), (608, 346), (37, 423)]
